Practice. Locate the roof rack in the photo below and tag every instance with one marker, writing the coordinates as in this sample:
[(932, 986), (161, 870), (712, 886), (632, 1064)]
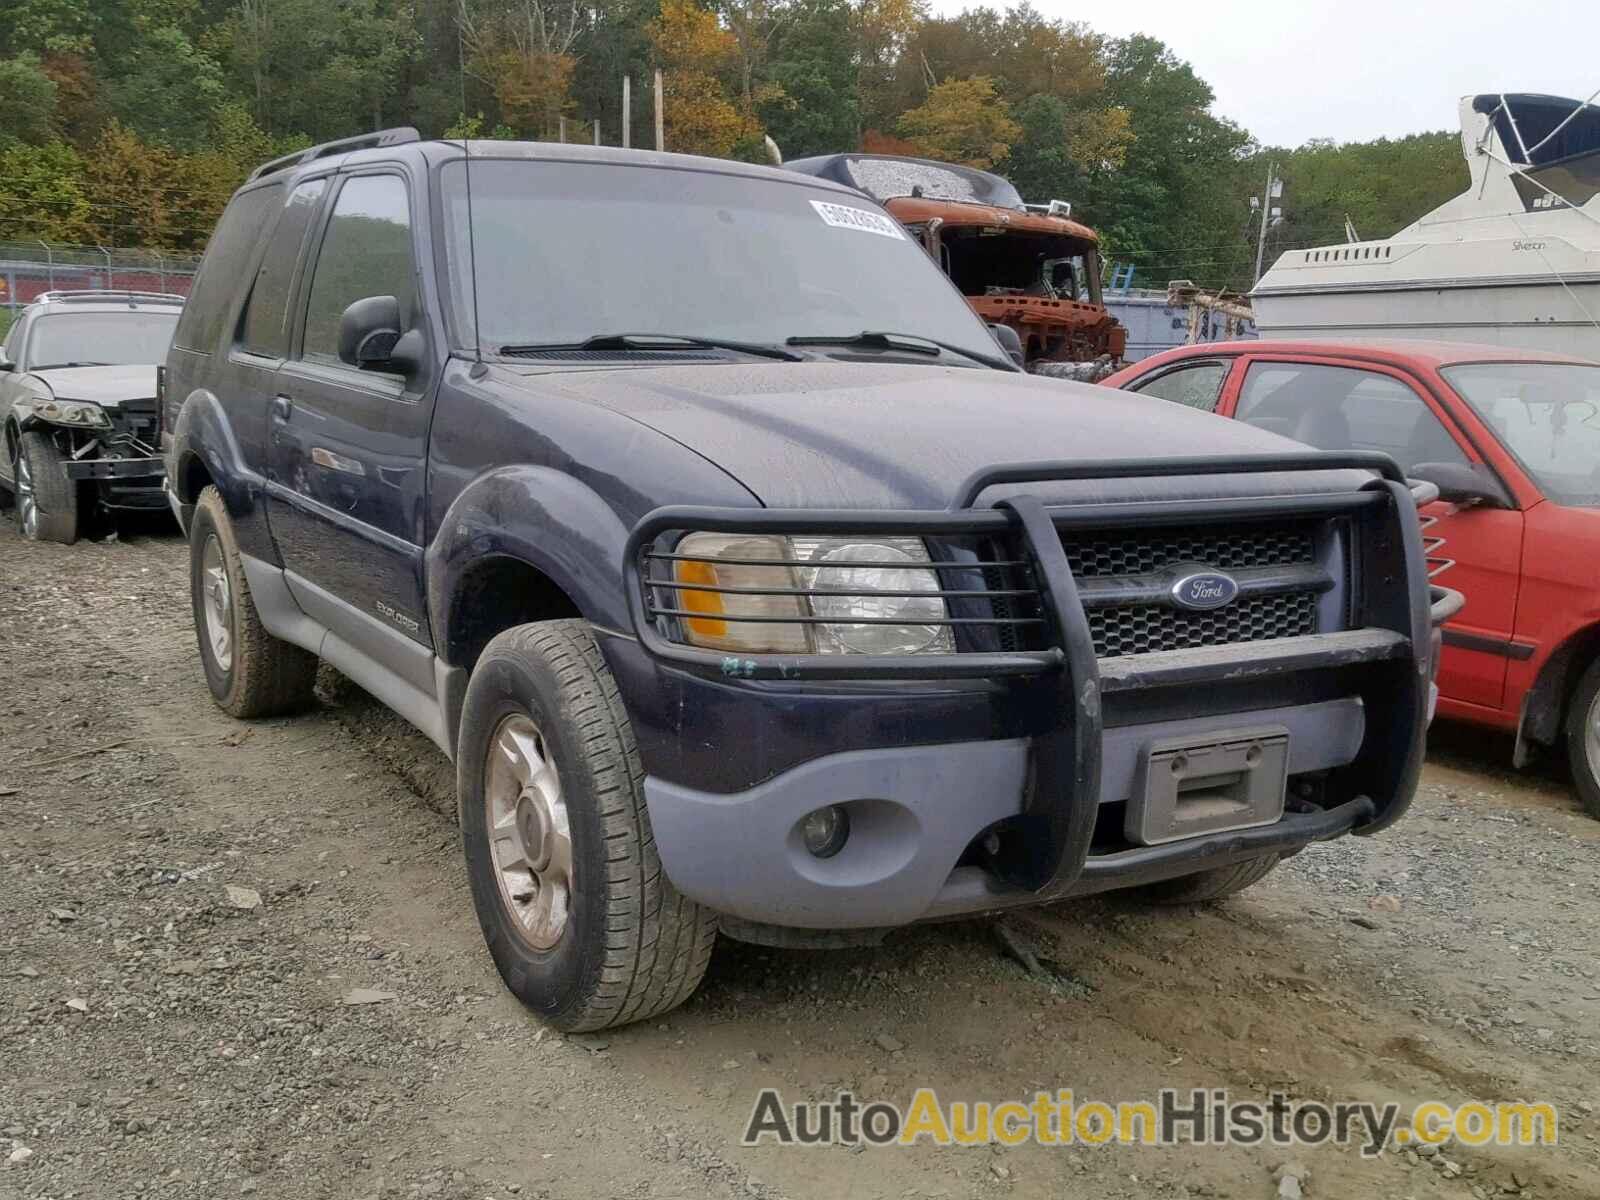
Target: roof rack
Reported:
[(366, 141), (100, 295)]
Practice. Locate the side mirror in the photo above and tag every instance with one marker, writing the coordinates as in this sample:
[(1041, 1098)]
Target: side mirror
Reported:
[(369, 331), (1463, 483), (1008, 341)]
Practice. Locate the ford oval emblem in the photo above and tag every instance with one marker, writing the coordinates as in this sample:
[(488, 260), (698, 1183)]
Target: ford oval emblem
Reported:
[(1201, 590)]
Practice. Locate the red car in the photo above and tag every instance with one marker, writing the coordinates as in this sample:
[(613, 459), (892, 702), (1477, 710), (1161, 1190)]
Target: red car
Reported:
[(1512, 439)]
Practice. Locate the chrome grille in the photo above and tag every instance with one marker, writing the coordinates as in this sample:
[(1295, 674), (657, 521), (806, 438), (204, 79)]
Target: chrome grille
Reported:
[(1152, 622)]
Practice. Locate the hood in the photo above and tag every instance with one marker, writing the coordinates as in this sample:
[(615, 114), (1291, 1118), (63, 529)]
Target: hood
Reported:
[(891, 435), (106, 386)]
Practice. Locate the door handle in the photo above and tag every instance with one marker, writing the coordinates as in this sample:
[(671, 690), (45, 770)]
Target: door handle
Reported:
[(282, 406)]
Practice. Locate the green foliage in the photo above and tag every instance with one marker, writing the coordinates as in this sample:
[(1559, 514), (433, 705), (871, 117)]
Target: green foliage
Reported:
[(129, 122), (169, 92), (28, 100)]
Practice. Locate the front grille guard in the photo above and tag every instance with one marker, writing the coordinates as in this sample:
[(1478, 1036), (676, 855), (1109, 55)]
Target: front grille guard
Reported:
[(1064, 792)]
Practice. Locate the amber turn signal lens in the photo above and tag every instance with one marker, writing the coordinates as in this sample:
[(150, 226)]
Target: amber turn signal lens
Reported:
[(705, 628)]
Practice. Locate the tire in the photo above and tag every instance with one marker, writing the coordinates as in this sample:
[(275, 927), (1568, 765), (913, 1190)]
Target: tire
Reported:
[(1583, 739), (1205, 886), (597, 936), (46, 500), (250, 672)]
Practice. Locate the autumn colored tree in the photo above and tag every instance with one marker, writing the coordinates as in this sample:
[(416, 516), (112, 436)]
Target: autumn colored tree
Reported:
[(696, 53), (962, 121)]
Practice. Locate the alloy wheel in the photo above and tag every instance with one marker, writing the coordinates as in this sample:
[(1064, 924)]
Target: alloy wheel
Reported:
[(218, 603), (530, 838), (27, 504)]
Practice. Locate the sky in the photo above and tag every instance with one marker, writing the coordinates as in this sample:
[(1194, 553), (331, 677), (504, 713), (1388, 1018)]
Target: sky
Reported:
[(1353, 70)]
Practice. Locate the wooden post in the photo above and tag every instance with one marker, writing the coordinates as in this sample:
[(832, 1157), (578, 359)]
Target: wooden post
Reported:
[(627, 118), (561, 129), (661, 138), (597, 131)]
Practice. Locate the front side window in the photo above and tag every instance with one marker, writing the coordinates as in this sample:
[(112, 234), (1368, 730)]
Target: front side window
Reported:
[(1547, 415), (1195, 386), (1345, 408), (366, 251), (101, 339), (566, 251)]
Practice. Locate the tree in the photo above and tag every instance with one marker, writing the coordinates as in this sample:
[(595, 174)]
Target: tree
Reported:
[(695, 51), (963, 121), (28, 99), (44, 195), (812, 106), (522, 49), (169, 92)]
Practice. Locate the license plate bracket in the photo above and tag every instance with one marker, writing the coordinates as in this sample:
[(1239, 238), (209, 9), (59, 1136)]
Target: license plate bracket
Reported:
[(1229, 779)]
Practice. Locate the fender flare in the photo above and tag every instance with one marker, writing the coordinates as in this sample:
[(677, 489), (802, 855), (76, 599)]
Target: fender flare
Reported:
[(541, 516), (203, 431)]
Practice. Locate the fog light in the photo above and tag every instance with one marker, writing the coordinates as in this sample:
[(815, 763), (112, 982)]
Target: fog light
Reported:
[(824, 831)]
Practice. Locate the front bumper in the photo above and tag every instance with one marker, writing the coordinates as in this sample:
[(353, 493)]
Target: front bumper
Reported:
[(133, 483), (1036, 744)]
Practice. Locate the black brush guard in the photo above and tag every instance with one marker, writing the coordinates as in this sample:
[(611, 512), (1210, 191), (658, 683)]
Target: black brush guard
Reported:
[(1063, 799)]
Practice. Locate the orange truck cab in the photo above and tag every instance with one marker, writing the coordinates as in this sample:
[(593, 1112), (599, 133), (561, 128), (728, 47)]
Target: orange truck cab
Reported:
[(1030, 267)]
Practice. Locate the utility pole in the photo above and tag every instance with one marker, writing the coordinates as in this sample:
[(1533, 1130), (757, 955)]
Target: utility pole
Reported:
[(661, 137), (627, 120), (1274, 190)]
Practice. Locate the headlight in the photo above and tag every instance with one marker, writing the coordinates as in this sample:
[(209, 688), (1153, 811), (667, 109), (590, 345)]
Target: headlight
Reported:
[(868, 595), (72, 412)]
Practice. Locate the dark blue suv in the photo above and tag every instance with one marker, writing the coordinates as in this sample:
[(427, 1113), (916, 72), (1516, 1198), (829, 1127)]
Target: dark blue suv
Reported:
[(691, 510)]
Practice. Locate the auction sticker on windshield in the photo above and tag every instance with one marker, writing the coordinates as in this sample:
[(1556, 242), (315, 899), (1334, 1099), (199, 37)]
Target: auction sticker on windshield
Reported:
[(842, 216)]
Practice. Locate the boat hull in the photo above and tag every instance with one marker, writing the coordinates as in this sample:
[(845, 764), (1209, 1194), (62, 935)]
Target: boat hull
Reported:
[(1544, 314)]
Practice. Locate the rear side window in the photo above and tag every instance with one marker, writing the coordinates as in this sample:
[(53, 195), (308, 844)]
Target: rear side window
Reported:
[(365, 252), (1195, 386), (264, 327), (226, 260)]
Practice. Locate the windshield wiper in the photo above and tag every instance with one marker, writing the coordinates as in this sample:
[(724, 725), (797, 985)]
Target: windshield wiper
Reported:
[(912, 343), (659, 341)]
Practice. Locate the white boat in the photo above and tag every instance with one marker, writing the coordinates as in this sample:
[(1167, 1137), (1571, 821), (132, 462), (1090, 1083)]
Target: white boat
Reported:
[(1513, 261)]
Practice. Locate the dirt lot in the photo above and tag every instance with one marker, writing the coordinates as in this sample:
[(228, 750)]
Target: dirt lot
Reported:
[(156, 1041)]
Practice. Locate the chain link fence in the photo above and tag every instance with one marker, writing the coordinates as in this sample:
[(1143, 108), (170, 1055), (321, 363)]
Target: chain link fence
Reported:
[(30, 268)]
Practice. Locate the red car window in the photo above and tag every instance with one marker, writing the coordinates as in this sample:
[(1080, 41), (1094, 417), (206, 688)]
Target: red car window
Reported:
[(1345, 408), (1196, 385)]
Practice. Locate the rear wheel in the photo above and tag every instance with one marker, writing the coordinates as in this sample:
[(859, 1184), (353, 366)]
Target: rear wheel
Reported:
[(1204, 886), (250, 672), (582, 923), (1583, 738), (46, 500)]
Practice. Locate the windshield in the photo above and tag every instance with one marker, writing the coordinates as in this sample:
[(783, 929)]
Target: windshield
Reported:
[(100, 339), (567, 250), (1547, 415)]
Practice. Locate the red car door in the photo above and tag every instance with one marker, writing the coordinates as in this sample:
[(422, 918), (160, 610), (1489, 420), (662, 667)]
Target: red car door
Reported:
[(1342, 404)]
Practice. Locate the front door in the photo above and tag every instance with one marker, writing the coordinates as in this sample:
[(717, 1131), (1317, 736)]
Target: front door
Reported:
[(346, 490), (1341, 407)]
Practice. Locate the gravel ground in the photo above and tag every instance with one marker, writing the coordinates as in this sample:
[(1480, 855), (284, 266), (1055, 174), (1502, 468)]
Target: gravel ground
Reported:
[(239, 959)]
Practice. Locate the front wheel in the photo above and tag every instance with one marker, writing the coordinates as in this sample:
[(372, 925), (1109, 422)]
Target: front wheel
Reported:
[(582, 924), (46, 500), (1583, 739)]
